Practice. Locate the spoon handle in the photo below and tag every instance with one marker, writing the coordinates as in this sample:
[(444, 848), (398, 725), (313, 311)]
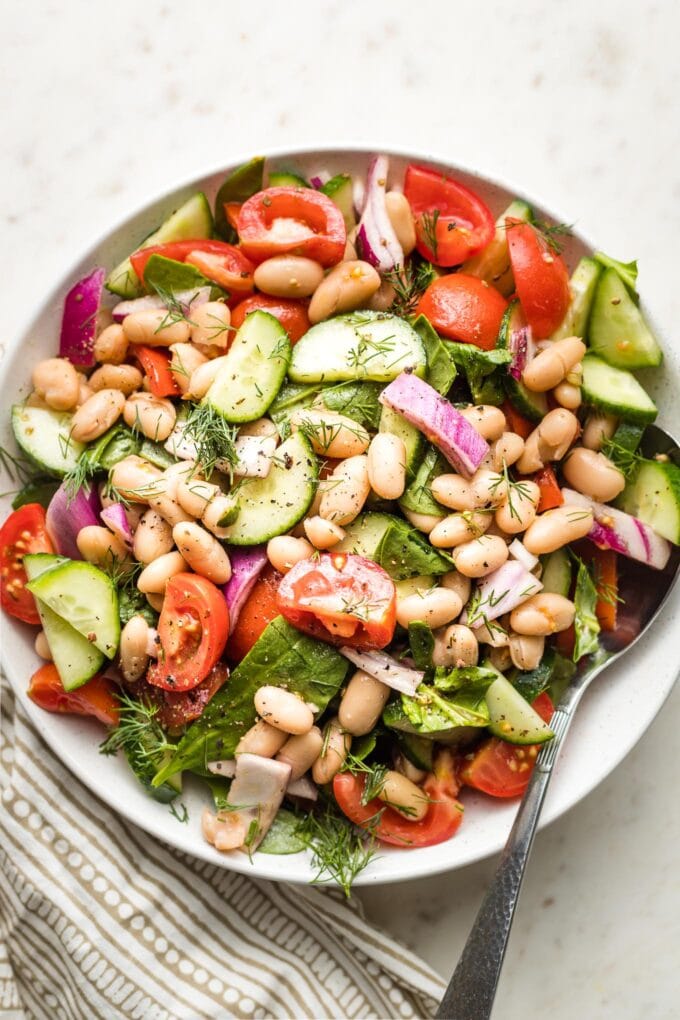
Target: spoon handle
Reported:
[(471, 991)]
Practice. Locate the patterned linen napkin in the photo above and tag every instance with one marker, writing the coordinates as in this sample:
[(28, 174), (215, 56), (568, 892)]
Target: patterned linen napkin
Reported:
[(99, 920)]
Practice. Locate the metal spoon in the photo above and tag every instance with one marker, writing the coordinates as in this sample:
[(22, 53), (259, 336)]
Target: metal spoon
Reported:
[(472, 989)]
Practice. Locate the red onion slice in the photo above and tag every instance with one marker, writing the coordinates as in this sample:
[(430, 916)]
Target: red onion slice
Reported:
[(376, 239), (79, 320), (386, 669)]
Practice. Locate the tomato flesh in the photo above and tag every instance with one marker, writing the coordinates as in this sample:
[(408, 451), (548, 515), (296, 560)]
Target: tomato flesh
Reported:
[(291, 314), (541, 278), (156, 367), (463, 308), (257, 612), (340, 598), (452, 222), (220, 262), (177, 708), (97, 697), (295, 221), (551, 494), (192, 630), (23, 532)]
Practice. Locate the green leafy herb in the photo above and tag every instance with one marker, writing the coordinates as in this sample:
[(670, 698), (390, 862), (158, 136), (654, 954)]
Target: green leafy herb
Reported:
[(403, 552), (410, 282), (339, 850), (180, 812), (238, 186), (16, 467), (554, 234), (428, 225), (454, 698), (357, 400), (213, 437), (622, 448), (482, 370), (421, 643), (418, 496), (586, 625), (167, 278), (441, 369), (283, 835), (140, 736), (627, 271), (36, 490)]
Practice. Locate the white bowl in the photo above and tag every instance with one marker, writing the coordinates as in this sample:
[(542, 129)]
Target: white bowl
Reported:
[(614, 715)]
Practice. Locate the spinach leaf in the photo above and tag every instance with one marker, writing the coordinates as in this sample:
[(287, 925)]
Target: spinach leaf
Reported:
[(36, 490), (441, 370), (283, 657), (418, 496), (357, 400), (291, 397), (241, 183), (482, 369), (586, 625), (363, 746), (403, 553), (421, 642), (283, 835), (454, 698), (131, 603), (219, 789), (167, 276)]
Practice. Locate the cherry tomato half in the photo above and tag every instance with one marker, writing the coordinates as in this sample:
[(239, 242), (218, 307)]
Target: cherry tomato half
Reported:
[(193, 630), (541, 278), (220, 262), (295, 221), (444, 814), (340, 598), (463, 308), (23, 532), (501, 769), (291, 314), (97, 697), (452, 222)]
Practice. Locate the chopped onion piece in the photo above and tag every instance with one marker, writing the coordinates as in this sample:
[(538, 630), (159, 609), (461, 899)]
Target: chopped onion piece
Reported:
[(226, 767), (115, 519), (186, 299), (386, 669), (79, 320), (376, 238), (625, 534), (303, 787), (66, 516), (256, 793), (246, 567), (500, 592), (522, 555), (179, 446)]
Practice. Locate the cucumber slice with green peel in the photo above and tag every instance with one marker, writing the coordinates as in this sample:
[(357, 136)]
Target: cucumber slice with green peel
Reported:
[(238, 186), (493, 263), (273, 505), (533, 406), (582, 286), (156, 454), (556, 575), (340, 190), (512, 718), (418, 750), (653, 496), (286, 179), (191, 221), (617, 331), (364, 535), (628, 271), (414, 585), (361, 345), (45, 437), (413, 440), (75, 658), (616, 391), (86, 598), (253, 370)]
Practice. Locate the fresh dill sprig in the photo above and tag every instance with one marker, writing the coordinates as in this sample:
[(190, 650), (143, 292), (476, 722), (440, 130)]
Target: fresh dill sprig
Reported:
[(621, 457), (213, 437), (339, 850), (360, 357), (176, 311), (79, 476), (17, 468), (180, 812), (139, 735), (554, 234), (428, 225), (521, 489), (409, 282)]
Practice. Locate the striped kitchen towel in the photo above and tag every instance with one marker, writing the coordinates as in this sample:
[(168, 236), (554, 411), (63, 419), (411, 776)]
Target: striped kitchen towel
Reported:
[(97, 919)]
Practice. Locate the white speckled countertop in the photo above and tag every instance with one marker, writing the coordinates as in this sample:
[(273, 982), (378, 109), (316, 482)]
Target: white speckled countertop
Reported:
[(105, 106)]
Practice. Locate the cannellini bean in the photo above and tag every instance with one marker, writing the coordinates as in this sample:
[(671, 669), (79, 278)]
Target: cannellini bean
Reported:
[(549, 368), (134, 657), (263, 428), (284, 551), (488, 488), (542, 614), (283, 710), (219, 514), (362, 703), (434, 607), (506, 451), (593, 474), (153, 416), (549, 441), (346, 287), (111, 346), (387, 465), (301, 751), (453, 491), (41, 646), (97, 415), (401, 218), (336, 746), (100, 546), (403, 796), (194, 493), (500, 658), (346, 491), (597, 429), (85, 391), (226, 830), (135, 479), (384, 297), (155, 328), (185, 360), (163, 495), (331, 434), (408, 769), (423, 522), (458, 528), (526, 651), (459, 583), (555, 528), (210, 324), (202, 551), (519, 511), (153, 537), (125, 378), (56, 381), (288, 276), (262, 739), (155, 601), (321, 533), (154, 578), (568, 395), (457, 647), (488, 420), (203, 377), (481, 556)]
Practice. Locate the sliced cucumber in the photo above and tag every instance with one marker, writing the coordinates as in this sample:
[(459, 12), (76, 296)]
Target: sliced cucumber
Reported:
[(412, 439), (291, 397), (533, 406), (493, 263), (556, 576), (85, 597), (286, 179), (361, 345), (418, 750), (156, 454), (191, 221), (628, 271), (45, 438), (414, 585), (582, 288), (512, 718), (253, 369), (364, 535), (239, 185), (76, 659), (340, 189), (273, 505), (617, 330), (616, 391), (653, 496)]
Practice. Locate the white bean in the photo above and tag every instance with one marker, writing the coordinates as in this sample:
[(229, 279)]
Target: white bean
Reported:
[(543, 614), (423, 522), (194, 494), (135, 478), (153, 537), (134, 658), (97, 415), (519, 511), (526, 650), (155, 576), (346, 491), (458, 528), (403, 796), (288, 276), (435, 607), (185, 360), (362, 703), (125, 378), (387, 465), (210, 326), (401, 218), (337, 744), (110, 347), (331, 434), (155, 328), (202, 551), (284, 551), (555, 528), (42, 647), (346, 287), (593, 474), (321, 533), (283, 710), (549, 368), (153, 416), (301, 751), (459, 583), (219, 514), (453, 491), (460, 647), (488, 420), (481, 556), (100, 546), (262, 739), (203, 377), (56, 381), (597, 429)]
